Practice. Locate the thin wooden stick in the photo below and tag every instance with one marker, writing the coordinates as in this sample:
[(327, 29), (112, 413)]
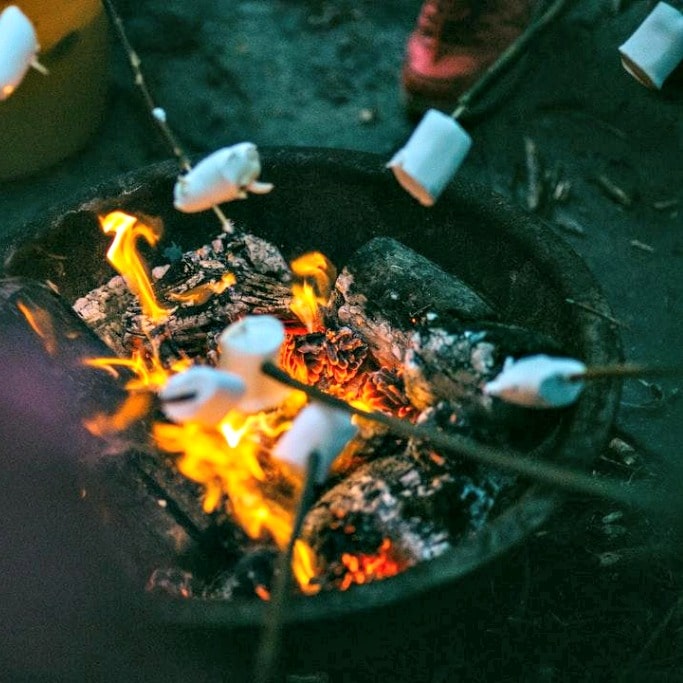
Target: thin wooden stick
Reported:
[(508, 57), (157, 113), (595, 311), (537, 470), (626, 371), (270, 645)]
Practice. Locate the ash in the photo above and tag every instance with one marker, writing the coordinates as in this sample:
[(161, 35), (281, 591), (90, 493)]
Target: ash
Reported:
[(389, 503)]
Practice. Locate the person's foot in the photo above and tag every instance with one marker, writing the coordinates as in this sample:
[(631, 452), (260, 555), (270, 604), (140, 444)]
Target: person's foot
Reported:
[(453, 43)]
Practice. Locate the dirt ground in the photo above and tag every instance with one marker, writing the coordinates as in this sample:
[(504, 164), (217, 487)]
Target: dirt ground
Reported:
[(598, 590)]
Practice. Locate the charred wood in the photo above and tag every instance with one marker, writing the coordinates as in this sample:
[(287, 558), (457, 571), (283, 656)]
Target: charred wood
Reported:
[(387, 288), (206, 289), (389, 515), (447, 366)]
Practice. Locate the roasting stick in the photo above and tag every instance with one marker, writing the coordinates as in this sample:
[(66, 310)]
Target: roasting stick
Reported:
[(270, 644), (158, 114), (439, 144), (540, 471), (626, 372), (507, 57)]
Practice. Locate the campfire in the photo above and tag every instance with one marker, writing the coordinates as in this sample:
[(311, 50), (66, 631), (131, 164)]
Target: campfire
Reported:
[(388, 504), (391, 331)]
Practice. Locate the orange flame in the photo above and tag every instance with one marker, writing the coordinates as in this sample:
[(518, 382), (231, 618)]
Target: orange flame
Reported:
[(311, 290), (123, 255), (226, 463), (41, 323), (304, 567), (202, 293), (133, 409)]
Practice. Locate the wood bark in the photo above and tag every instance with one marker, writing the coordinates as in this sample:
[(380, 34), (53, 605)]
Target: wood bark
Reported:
[(386, 289)]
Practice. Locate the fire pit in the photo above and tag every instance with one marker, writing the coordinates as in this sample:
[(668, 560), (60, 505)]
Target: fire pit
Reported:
[(335, 202)]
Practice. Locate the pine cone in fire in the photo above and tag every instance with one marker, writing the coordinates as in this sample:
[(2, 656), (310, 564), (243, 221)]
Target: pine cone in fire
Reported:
[(345, 352), (383, 390), (334, 356)]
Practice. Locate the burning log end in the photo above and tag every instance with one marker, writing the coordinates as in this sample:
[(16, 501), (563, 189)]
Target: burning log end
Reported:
[(454, 365), (389, 515), (454, 361), (386, 289), (50, 392)]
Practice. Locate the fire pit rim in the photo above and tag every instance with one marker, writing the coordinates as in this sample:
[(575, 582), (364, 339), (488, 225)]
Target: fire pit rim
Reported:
[(585, 431)]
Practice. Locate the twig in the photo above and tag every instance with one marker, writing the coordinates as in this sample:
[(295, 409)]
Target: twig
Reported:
[(268, 654), (157, 113), (534, 191), (595, 311), (540, 471), (656, 634), (508, 57), (612, 191)]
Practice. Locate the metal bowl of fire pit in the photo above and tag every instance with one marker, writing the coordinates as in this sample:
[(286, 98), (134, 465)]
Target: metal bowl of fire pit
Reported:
[(334, 202)]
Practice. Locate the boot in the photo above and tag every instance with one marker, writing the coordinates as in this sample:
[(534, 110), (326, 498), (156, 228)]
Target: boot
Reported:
[(453, 43)]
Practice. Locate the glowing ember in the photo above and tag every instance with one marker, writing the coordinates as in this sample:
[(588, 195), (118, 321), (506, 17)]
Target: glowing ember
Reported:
[(315, 275), (363, 568), (123, 255)]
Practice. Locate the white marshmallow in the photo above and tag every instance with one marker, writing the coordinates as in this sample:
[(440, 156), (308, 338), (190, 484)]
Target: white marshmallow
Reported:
[(538, 382), (656, 47), (431, 157), (245, 346), (223, 176), (201, 394), (18, 49), (317, 428)]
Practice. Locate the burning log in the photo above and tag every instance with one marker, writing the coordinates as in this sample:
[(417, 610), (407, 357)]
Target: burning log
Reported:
[(55, 401), (452, 364), (386, 288), (206, 289), (44, 348), (389, 515)]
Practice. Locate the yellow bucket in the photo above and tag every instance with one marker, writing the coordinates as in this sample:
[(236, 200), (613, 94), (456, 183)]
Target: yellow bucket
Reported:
[(52, 116)]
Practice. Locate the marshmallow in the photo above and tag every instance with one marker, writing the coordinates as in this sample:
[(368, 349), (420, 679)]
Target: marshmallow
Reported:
[(538, 382), (223, 176), (201, 394), (245, 346), (431, 157), (18, 49), (656, 47), (317, 428)]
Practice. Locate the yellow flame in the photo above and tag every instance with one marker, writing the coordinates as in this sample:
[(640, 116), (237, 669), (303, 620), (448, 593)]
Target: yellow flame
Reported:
[(202, 293), (133, 409), (41, 323), (229, 472), (304, 567), (148, 373), (315, 274), (124, 256)]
